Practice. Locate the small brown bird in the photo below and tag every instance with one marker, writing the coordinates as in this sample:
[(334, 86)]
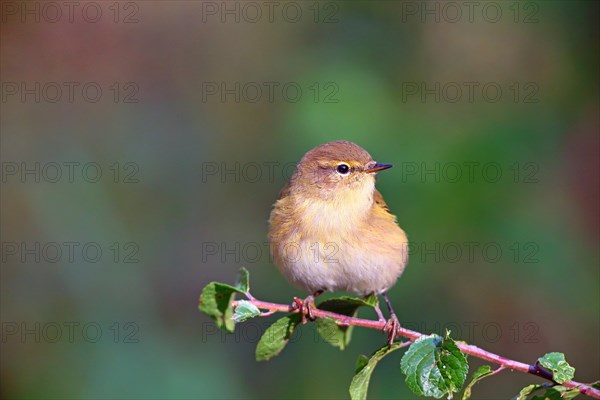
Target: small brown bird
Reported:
[(331, 230)]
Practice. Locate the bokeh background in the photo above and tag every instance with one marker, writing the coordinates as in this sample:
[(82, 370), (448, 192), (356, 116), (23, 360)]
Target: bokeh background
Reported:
[(198, 169)]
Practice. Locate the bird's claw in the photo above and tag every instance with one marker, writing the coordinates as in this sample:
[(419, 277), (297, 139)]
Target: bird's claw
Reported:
[(305, 308), (391, 327)]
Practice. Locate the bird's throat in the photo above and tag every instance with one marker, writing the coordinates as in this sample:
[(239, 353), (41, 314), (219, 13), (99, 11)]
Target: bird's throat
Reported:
[(341, 213)]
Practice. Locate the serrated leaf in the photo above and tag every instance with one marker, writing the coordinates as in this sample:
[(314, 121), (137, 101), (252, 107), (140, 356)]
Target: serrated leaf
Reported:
[(481, 373), (364, 370), (453, 365), (527, 390), (276, 337), (560, 368), (215, 301), (245, 310), (417, 364), (243, 280), (334, 334), (434, 367), (558, 393)]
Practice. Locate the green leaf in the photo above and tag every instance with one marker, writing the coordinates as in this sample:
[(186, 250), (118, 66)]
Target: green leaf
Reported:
[(364, 370), (276, 337), (215, 301), (453, 365), (334, 334), (245, 310), (361, 361), (527, 390), (560, 368), (483, 372), (434, 367), (558, 393), (371, 300), (243, 280), (344, 304)]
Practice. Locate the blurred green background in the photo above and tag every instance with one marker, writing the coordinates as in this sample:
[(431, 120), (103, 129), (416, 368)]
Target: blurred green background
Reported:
[(198, 170)]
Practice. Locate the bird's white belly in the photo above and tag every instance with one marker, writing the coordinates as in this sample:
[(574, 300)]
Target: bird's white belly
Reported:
[(337, 266)]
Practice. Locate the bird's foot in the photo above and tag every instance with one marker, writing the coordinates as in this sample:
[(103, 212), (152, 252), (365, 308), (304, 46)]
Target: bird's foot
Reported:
[(391, 327), (305, 307)]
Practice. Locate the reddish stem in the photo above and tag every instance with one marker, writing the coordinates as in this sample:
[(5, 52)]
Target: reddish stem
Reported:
[(413, 335)]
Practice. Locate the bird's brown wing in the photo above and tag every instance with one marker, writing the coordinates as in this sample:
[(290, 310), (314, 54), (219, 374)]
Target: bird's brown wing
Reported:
[(378, 198), (285, 192)]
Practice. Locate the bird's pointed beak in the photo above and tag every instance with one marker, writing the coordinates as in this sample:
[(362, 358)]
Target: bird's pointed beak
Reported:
[(378, 167)]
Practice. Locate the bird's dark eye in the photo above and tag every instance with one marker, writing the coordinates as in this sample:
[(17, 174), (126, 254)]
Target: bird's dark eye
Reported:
[(343, 169)]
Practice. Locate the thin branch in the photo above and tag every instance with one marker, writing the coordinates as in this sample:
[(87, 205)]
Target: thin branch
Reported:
[(474, 351), (499, 369)]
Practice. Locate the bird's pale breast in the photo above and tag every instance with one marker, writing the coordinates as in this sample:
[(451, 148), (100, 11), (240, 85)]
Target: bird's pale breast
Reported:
[(336, 247)]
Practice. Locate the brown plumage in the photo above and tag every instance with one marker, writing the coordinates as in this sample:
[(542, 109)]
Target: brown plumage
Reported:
[(331, 230)]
